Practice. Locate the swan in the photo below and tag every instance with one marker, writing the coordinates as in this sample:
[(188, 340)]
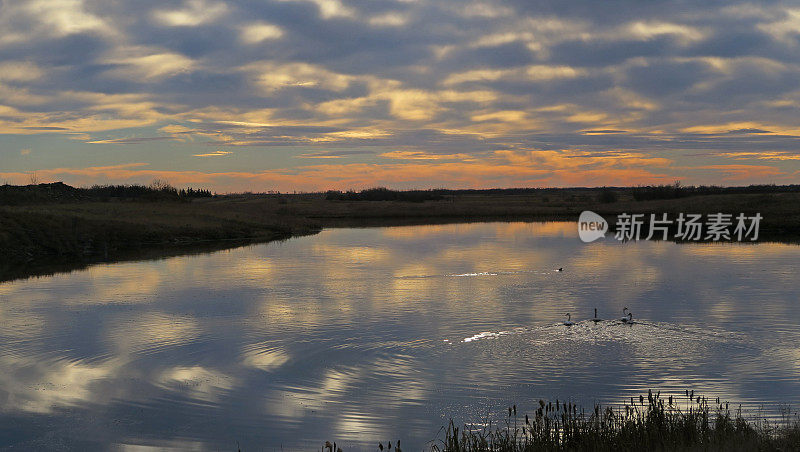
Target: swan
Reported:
[(596, 319), (628, 319), (624, 318), (560, 269), (569, 321)]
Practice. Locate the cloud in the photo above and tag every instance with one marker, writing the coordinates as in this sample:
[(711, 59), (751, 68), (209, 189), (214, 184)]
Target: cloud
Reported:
[(255, 33), (405, 82), (218, 153), (331, 8), (741, 173), (19, 71), (786, 28), (401, 170), (63, 17), (140, 63), (650, 30), (136, 140), (193, 13)]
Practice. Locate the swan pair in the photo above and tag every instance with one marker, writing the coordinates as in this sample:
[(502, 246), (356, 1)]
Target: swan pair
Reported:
[(569, 321)]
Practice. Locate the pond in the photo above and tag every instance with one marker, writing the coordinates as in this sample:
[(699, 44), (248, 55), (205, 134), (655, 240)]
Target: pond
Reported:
[(364, 335)]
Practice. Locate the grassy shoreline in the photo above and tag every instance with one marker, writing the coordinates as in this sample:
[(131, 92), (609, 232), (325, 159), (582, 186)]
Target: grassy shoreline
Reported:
[(689, 423), (75, 227), (678, 422)]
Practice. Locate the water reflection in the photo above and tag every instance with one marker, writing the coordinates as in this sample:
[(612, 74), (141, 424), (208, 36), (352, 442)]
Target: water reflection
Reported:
[(367, 335)]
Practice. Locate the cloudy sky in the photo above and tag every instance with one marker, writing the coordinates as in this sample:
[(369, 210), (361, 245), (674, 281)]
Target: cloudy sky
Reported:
[(316, 94)]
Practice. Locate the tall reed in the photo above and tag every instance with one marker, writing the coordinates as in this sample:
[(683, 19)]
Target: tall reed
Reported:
[(689, 422)]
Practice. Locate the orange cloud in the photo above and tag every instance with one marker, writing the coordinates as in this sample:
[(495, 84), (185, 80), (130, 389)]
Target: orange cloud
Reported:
[(214, 154), (765, 155), (466, 174), (745, 172)]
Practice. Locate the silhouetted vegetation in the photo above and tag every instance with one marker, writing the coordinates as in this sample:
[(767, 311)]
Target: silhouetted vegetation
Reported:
[(12, 195), (654, 423), (61, 192), (603, 195), (147, 193), (661, 192), (607, 196), (384, 194), (676, 190)]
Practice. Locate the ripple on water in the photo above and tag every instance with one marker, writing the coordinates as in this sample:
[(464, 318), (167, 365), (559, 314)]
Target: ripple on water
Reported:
[(624, 356), (612, 330)]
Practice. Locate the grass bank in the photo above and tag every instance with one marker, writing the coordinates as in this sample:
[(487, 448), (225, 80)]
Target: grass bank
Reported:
[(44, 238)]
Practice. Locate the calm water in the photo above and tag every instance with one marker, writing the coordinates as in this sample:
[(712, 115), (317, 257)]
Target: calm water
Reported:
[(367, 335)]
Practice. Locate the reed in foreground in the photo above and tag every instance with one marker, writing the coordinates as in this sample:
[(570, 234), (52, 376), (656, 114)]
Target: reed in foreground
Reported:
[(653, 423)]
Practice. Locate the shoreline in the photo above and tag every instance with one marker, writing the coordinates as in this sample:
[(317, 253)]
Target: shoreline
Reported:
[(47, 237)]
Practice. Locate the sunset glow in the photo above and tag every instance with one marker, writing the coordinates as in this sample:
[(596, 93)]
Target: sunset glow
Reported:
[(338, 94)]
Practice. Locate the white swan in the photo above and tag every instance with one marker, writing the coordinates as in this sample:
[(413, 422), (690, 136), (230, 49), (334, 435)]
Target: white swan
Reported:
[(628, 319), (569, 321), (596, 319)]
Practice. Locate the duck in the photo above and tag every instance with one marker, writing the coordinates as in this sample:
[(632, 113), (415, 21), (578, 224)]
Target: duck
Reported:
[(569, 321), (596, 319), (560, 269)]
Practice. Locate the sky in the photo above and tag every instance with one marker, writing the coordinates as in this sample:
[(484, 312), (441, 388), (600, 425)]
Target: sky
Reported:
[(306, 95)]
